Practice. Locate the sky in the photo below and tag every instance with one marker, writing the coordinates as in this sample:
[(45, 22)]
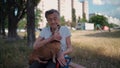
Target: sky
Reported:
[(107, 7)]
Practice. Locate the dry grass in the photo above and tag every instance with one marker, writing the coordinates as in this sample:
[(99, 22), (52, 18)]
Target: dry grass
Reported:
[(95, 49), (92, 49)]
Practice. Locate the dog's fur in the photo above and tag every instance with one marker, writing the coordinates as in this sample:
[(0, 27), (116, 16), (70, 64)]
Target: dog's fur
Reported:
[(46, 52)]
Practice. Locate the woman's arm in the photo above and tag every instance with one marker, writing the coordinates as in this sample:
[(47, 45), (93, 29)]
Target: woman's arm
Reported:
[(41, 41), (61, 55), (69, 46)]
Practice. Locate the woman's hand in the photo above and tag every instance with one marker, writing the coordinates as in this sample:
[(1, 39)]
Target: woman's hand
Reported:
[(56, 36), (61, 59)]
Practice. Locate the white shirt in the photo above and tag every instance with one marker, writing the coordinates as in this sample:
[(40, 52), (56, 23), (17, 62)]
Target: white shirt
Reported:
[(64, 32)]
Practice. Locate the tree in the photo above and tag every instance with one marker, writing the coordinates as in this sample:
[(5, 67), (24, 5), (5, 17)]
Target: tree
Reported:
[(79, 19), (3, 17), (111, 25), (62, 20), (37, 16), (84, 18), (31, 22), (17, 10), (99, 19), (73, 18), (22, 23)]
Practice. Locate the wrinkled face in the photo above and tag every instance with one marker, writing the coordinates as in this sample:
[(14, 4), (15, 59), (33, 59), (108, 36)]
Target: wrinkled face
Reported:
[(53, 20)]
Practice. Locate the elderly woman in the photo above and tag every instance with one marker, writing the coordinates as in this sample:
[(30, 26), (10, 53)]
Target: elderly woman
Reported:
[(48, 34)]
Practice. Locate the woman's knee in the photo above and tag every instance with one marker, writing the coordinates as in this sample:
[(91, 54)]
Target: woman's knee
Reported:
[(51, 64), (36, 65)]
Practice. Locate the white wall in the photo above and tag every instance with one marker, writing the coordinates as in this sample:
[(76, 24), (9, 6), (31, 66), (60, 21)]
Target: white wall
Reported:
[(89, 26)]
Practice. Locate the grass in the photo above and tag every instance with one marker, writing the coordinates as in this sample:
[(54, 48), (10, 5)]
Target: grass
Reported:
[(14, 54), (92, 49), (95, 49)]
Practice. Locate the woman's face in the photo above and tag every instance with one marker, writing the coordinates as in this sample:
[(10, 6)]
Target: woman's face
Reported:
[(53, 20)]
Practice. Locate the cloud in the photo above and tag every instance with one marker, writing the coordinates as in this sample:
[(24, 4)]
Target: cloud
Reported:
[(118, 9), (98, 2), (113, 7), (103, 2), (112, 2), (113, 13), (116, 12)]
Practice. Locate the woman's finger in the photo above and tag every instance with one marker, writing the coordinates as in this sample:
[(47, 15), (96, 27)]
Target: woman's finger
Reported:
[(62, 61)]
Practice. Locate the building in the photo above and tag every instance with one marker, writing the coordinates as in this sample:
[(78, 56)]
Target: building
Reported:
[(78, 9), (85, 9), (45, 5), (65, 9), (85, 26)]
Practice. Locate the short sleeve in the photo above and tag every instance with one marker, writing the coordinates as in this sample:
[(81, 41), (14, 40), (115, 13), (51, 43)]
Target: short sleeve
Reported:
[(45, 33), (67, 32), (42, 33)]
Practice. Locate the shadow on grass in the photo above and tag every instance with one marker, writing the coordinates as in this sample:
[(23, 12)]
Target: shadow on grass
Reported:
[(14, 54), (92, 59), (115, 34)]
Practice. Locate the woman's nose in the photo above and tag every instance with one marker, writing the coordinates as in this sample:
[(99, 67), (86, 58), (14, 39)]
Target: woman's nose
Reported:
[(52, 21)]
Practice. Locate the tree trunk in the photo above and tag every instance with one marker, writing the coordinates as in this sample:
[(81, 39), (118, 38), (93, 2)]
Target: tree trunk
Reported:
[(3, 26), (2, 22), (30, 23), (12, 21), (12, 26)]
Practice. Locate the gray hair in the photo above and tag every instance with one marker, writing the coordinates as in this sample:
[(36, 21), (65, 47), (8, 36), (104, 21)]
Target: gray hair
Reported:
[(51, 11)]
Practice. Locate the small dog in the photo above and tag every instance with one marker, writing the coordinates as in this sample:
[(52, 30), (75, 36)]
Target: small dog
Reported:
[(46, 52)]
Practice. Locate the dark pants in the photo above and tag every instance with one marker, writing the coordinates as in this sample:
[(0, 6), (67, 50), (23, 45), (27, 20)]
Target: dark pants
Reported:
[(36, 64)]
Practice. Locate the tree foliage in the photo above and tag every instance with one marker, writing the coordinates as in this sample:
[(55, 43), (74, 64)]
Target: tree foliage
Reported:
[(22, 23), (73, 15), (84, 18), (99, 19), (111, 25), (15, 10), (62, 20), (73, 18), (37, 16)]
